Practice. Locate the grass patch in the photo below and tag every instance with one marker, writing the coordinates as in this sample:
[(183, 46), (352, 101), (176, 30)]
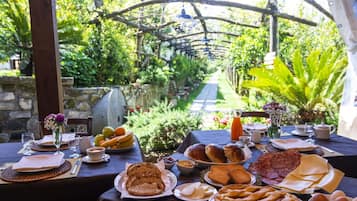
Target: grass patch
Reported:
[(227, 98), (186, 104), (9, 73)]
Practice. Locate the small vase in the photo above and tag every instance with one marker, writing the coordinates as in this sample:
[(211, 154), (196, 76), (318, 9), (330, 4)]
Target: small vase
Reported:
[(274, 131), (57, 138), (275, 119)]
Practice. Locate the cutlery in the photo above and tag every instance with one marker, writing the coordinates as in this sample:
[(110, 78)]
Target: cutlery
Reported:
[(76, 166), (329, 150)]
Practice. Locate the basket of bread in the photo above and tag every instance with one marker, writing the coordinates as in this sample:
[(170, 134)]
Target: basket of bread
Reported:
[(213, 154), (337, 195), (145, 181)]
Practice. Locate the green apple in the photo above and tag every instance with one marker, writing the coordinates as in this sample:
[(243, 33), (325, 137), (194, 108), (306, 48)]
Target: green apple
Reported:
[(108, 131), (98, 138)]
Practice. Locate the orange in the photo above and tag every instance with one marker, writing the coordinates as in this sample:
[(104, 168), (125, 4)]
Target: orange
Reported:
[(119, 131)]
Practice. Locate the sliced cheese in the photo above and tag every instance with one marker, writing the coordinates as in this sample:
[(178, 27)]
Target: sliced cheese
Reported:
[(312, 165), (294, 183), (314, 178), (330, 182)]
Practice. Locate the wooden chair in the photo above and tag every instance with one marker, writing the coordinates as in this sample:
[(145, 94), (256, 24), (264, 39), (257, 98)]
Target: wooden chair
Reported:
[(76, 125), (255, 114)]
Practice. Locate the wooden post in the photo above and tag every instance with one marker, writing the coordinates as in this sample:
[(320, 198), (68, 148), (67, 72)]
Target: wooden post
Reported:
[(46, 57), (273, 27)]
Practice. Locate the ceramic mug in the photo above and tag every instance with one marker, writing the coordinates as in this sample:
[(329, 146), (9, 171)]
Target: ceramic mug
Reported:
[(84, 144), (324, 131), (302, 128), (256, 136)]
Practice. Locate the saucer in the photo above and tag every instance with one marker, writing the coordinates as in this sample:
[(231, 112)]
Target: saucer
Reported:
[(105, 158), (295, 132)]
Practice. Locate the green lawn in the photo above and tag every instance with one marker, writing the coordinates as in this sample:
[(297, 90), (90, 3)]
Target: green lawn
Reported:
[(227, 98), (12, 73)]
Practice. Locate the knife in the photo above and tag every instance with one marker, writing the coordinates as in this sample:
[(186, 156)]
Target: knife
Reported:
[(76, 166)]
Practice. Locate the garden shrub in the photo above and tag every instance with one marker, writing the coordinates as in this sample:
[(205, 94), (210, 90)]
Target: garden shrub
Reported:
[(162, 128)]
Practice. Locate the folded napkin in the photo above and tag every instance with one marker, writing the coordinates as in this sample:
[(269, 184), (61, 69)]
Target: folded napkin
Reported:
[(314, 172), (34, 162), (292, 143), (66, 138)]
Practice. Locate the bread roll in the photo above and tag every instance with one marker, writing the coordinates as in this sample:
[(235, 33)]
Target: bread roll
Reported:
[(197, 152), (233, 153), (219, 175), (215, 153), (319, 197)]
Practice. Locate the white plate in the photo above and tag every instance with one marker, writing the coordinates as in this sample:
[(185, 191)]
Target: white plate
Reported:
[(179, 188), (105, 158), (40, 169), (300, 150), (253, 179), (256, 126), (119, 186), (295, 132)]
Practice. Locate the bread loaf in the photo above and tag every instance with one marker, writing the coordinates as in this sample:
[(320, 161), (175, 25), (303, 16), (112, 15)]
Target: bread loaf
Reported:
[(240, 176), (215, 153), (233, 153), (219, 175), (197, 152), (144, 179)]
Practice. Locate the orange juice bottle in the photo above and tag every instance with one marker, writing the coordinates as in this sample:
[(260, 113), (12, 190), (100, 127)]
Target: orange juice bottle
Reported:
[(236, 128)]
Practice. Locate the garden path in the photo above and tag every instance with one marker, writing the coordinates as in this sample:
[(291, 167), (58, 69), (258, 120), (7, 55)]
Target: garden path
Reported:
[(206, 100)]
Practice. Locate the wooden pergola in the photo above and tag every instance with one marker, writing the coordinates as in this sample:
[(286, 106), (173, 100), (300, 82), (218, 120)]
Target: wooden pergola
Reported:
[(45, 38)]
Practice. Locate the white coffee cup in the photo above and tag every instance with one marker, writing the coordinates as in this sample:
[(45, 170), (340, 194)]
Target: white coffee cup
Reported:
[(324, 131), (256, 136), (84, 143), (95, 153), (244, 139)]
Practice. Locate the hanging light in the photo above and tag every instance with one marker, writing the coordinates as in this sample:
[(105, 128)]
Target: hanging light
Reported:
[(186, 21)]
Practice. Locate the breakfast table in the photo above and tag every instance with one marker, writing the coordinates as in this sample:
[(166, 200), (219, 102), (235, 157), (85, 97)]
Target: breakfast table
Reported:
[(342, 155), (88, 184)]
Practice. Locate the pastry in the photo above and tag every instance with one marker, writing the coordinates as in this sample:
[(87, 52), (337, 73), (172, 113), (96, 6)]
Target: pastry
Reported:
[(240, 176), (233, 153), (219, 175), (225, 174), (244, 192), (197, 152), (144, 179), (215, 153)]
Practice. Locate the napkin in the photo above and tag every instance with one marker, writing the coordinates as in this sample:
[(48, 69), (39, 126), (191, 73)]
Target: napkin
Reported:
[(314, 172), (34, 162), (292, 143), (66, 138)]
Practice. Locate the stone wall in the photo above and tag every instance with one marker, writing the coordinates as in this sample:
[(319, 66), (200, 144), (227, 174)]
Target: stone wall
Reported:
[(18, 104)]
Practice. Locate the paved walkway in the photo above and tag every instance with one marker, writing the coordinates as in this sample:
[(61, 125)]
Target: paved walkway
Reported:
[(206, 100)]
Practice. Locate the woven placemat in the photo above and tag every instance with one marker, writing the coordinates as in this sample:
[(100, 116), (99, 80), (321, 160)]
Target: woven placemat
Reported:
[(11, 175), (36, 147), (269, 147)]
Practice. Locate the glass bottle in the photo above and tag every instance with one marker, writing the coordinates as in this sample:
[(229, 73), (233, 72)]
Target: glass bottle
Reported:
[(236, 128)]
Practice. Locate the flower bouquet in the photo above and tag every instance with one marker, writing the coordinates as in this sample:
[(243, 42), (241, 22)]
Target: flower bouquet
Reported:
[(275, 111), (55, 123)]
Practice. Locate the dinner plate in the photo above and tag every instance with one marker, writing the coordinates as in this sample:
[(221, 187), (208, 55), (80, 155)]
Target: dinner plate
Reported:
[(253, 179), (120, 186), (256, 126), (40, 169), (295, 132), (299, 149), (178, 189), (105, 158)]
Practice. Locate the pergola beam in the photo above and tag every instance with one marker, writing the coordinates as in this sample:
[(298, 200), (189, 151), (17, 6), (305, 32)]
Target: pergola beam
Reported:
[(226, 20), (320, 8), (200, 33), (203, 23), (216, 3)]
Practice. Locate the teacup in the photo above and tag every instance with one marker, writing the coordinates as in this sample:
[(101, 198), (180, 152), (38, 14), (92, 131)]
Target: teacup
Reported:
[(244, 139), (256, 136), (324, 131), (302, 128), (95, 153)]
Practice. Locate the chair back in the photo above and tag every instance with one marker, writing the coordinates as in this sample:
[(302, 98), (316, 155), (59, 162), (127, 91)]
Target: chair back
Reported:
[(255, 114)]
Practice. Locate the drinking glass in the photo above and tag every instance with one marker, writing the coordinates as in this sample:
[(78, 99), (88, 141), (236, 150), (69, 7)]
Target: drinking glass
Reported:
[(26, 140), (57, 141), (311, 134), (74, 148)]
